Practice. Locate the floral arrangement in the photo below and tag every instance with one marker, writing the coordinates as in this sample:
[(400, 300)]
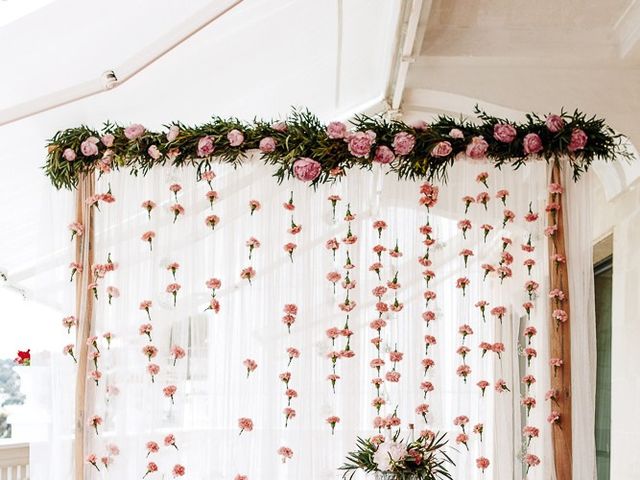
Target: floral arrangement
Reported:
[(420, 459), (304, 148)]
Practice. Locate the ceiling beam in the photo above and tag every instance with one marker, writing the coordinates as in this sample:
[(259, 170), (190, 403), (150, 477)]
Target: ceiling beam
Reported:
[(128, 69), (408, 42)]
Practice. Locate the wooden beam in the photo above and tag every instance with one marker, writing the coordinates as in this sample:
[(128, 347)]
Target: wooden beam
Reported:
[(84, 314), (560, 338)]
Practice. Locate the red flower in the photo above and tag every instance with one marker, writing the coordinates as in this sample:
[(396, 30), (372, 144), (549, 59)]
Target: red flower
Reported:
[(23, 358)]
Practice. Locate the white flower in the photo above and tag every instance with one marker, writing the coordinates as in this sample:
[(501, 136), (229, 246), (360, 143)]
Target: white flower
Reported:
[(386, 452)]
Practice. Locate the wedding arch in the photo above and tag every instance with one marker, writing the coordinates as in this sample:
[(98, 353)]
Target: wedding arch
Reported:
[(440, 299)]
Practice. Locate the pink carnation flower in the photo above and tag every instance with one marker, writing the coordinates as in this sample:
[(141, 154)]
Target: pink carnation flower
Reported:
[(245, 423)]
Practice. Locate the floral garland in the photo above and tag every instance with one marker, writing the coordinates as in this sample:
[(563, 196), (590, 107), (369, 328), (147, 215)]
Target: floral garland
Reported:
[(304, 148)]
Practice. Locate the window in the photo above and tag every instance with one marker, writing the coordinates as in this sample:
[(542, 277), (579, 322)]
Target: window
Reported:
[(603, 276)]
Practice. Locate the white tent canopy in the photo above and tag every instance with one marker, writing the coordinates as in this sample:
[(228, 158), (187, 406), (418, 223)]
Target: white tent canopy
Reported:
[(259, 59)]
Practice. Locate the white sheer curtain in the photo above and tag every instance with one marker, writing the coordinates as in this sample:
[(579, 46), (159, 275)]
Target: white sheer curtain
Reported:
[(583, 324), (213, 390)]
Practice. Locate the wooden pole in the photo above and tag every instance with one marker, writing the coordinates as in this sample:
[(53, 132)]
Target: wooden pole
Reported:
[(560, 338), (84, 314)]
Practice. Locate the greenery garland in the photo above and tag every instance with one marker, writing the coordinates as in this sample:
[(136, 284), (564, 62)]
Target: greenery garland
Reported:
[(414, 151)]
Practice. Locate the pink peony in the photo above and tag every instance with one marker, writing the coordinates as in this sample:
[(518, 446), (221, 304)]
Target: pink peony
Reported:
[(419, 125), (360, 143), (154, 152), (477, 149), (89, 147), (403, 143), (442, 149), (235, 137), (306, 169), (384, 155), (279, 126), (173, 133), (134, 131), (456, 133), (554, 123), (69, 155), (267, 145), (532, 143), (205, 146), (336, 130), (107, 140), (503, 132), (578, 140)]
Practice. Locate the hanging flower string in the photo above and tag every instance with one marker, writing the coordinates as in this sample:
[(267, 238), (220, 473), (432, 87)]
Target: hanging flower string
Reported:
[(347, 305), (293, 230)]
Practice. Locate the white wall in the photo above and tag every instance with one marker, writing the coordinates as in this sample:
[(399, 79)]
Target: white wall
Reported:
[(621, 216)]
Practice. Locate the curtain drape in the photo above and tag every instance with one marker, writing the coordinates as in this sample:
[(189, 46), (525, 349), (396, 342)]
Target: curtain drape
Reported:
[(583, 324), (213, 387)]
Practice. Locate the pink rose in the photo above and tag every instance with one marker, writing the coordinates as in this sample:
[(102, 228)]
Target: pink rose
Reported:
[(503, 132), (267, 145), (456, 133), (336, 130), (89, 148), (134, 131), (154, 152), (360, 143), (477, 149), (235, 138), (205, 146), (69, 155), (107, 140), (532, 143), (306, 169), (442, 149), (554, 123), (384, 155), (578, 140), (403, 143), (173, 133)]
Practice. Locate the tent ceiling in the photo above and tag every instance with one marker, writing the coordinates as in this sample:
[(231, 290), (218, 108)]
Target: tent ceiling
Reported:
[(258, 60)]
